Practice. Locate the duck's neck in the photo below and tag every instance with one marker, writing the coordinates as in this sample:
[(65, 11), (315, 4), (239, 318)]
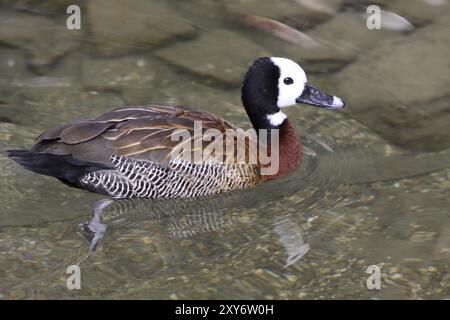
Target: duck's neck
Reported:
[(289, 143), (289, 148)]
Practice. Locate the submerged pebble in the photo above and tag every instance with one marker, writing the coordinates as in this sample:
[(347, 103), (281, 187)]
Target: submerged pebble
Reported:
[(44, 40), (299, 13), (406, 99), (139, 25), (221, 55)]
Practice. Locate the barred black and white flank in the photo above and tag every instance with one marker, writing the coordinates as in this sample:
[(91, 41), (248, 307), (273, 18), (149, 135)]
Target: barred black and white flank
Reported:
[(179, 178)]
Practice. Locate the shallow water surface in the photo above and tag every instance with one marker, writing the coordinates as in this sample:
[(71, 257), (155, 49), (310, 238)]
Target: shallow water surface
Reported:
[(363, 196)]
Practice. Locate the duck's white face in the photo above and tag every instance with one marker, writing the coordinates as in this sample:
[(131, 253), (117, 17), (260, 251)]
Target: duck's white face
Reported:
[(291, 83), (272, 83)]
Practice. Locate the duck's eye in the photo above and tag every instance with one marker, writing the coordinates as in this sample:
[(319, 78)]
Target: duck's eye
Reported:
[(288, 81)]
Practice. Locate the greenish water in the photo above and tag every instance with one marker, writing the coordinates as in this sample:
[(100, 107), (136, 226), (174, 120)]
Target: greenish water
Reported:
[(368, 192)]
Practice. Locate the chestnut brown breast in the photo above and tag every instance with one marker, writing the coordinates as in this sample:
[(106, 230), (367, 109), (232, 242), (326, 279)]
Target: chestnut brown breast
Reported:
[(290, 149)]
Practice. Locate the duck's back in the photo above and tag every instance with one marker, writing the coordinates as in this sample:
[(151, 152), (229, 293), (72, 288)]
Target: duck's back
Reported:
[(141, 132)]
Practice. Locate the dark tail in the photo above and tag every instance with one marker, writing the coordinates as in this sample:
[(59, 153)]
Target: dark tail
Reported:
[(63, 167)]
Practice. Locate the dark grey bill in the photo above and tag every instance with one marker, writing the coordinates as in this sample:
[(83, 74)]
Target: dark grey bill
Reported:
[(314, 97)]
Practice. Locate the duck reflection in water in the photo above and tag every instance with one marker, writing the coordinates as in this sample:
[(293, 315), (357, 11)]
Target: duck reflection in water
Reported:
[(226, 216)]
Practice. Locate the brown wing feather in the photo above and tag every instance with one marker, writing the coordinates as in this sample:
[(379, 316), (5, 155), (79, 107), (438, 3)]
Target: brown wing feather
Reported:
[(143, 132), (81, 132), (135, 137)]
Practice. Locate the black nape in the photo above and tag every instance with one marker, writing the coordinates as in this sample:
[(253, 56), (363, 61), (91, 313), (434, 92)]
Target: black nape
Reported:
[(260, 92)]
